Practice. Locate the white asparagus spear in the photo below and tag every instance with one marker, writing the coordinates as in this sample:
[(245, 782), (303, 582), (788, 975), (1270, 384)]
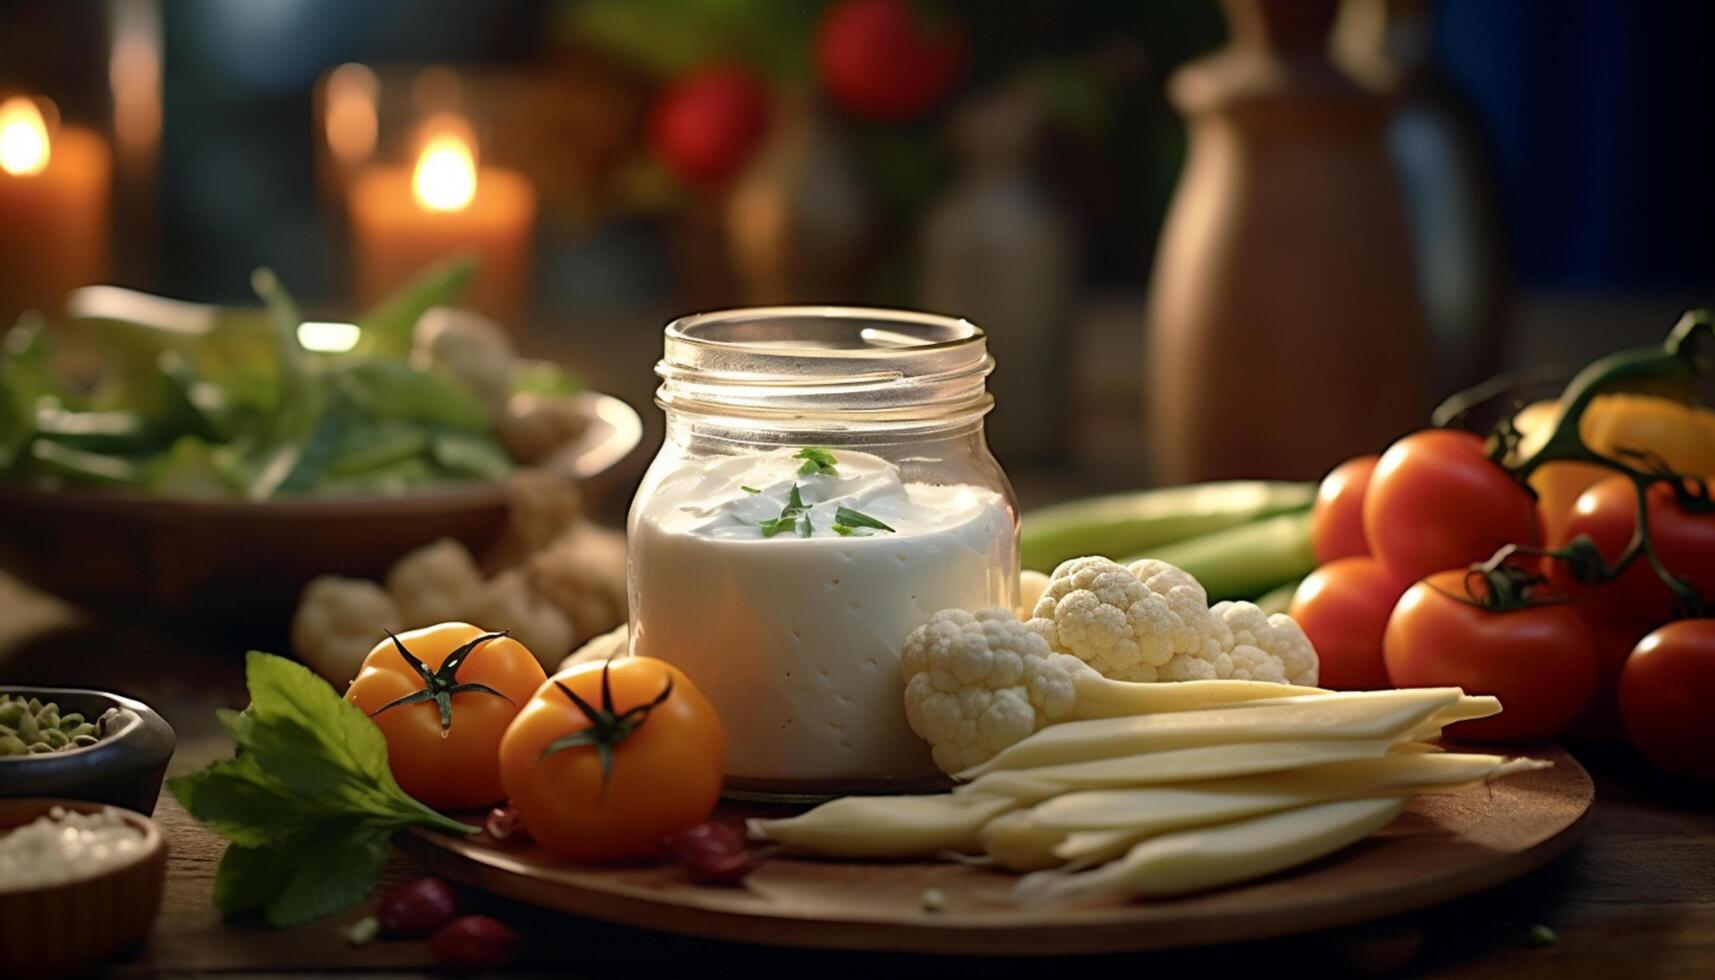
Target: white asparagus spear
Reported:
[(1468, 707), (1172, 766), (886, 826), (1096, 826), (1158, 809), (1210, 857), (1346, 715)]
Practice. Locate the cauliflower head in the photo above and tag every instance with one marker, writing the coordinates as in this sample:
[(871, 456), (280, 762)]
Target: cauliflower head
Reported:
[(434, 584), (583, 572), (1146, 622), (339, 620), (1267, 648), (976, 683)]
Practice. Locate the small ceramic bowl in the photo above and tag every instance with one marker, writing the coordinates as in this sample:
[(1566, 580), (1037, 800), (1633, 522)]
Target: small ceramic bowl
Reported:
[(124, 768), (64, 929)]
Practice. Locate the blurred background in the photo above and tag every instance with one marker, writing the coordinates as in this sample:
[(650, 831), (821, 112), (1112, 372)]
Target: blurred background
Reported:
[(1293, 224)]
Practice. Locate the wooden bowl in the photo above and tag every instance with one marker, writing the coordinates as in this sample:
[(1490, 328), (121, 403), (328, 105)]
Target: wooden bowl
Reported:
[(242, 562), (124, 769), (63, 930)]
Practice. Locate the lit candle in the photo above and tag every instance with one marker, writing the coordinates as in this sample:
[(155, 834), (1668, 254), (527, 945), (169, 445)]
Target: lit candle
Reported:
[(405, 218), (54, 191)]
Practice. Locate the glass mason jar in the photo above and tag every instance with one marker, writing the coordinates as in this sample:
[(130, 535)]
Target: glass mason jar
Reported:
[(824, 488)]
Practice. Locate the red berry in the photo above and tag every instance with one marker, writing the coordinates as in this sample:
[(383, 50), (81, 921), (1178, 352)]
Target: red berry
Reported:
[(712, 853), (474, 942), (706, 124), (416, 908), (880, 61)]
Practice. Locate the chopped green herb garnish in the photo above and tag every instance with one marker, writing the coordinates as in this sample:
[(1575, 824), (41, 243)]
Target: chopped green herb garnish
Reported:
[(852, 519), (816, 462), (795, 514), (843, 531), (749, 489)]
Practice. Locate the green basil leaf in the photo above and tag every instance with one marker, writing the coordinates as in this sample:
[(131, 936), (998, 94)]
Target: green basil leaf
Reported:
[(337, 868), (855, 519)]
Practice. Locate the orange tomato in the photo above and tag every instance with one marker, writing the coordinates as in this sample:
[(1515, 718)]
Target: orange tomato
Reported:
[(443, 741), (1682, 435), (640, 758)]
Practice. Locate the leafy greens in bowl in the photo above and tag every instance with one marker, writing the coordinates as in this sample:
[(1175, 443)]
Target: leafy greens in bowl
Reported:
[(192, 401)]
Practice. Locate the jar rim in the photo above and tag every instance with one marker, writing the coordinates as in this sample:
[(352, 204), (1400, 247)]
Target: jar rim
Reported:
[(962, 331), (848, 362)]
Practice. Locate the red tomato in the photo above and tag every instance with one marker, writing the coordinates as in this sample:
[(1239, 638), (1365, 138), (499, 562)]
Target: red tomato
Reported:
[(1337, 518), (1344, 607), (880, 61), (1540, 660), (705, 125), (1685, 543), (1666, 692), (1436, 501)]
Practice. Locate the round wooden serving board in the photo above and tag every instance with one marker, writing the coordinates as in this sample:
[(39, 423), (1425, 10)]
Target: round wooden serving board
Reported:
[(1441, 848)]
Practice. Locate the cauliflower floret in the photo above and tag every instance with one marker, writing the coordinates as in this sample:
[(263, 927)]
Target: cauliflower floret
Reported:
[(339, 620), (540, 506), (533, 427), (607, 646), (975, 684), (1031, 585), (1148, 622), (468, 346), (583, 572), (1267, 648), (434, 584), (508, 603)]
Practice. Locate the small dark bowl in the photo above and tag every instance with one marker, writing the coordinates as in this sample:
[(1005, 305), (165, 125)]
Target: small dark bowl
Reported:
[(125, 768)]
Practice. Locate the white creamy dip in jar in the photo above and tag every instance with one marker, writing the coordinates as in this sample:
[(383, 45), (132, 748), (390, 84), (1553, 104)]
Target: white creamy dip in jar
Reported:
[(824, 489)]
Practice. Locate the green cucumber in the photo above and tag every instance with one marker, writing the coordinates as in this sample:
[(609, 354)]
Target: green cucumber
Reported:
[(1279, 599), (1128, 523), (1245, 561)]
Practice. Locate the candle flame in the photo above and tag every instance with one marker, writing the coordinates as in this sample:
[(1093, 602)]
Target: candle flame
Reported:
[(445, 178), (24, 147)]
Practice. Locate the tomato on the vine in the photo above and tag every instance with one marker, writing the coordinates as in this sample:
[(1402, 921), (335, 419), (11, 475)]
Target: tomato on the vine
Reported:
[(608, 758), (1337, 516), (1436, 501), (1684, 542), (1667, 688), (443, 696), (1539, 659), (1343, 608)]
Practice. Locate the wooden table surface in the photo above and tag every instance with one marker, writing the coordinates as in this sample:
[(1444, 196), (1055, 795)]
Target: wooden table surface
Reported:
[(1635, 899)]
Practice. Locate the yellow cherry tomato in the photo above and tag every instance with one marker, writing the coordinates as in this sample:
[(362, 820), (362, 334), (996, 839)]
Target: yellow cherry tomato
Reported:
[(639, 758), (444, 715)]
